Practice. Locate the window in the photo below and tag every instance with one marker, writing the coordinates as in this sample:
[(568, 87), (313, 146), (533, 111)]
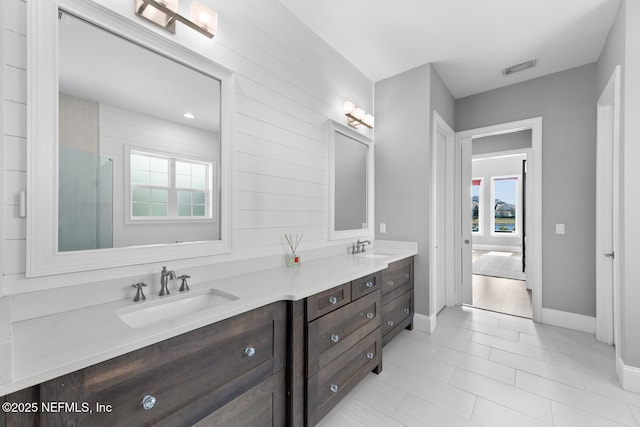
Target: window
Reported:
[(165, 187), (476, 206), (505, 196)]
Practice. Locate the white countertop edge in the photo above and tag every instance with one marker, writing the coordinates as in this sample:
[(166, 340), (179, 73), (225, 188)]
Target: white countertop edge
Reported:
[(47, 347)]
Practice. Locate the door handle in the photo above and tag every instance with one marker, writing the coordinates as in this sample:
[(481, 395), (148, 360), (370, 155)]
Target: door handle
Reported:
[(466, 241), (610, 255)]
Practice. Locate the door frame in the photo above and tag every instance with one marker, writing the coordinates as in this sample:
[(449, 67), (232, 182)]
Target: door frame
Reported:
[(608, 179), (534, 217), (440, 125)]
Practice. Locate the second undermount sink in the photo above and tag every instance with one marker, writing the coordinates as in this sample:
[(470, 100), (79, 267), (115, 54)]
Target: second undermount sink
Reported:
[(171, 307), (373, 255)]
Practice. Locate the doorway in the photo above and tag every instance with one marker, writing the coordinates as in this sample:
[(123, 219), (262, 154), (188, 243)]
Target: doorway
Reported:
[(463, 287), (498, 227)]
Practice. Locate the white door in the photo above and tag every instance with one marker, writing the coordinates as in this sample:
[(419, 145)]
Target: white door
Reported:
[(466, 220), (440, 212), (606, 210)]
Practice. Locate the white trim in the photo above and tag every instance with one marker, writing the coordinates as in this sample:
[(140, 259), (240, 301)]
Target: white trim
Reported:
[(42, 257), (629, 376), (534, 219), (440, 125), (501, 248), (565, 319), (607, 224), (3, 139), (424, 323), (368, 232), (492, 219)]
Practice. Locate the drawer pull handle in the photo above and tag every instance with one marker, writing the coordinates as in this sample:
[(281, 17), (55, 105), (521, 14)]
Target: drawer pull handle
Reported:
[(369, 284), (390, 323), (250, 351), (390, 283), (370, 356), (335, 338), (406, 310), (333, 300), (406, 275), (370, 315), (148, 402), (334, 388)]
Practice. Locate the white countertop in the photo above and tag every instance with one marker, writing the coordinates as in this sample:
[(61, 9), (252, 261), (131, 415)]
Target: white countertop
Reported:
[(50, 346)]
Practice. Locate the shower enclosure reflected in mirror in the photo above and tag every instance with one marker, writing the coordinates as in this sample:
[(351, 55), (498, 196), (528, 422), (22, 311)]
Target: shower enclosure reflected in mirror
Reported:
[(351, 198)]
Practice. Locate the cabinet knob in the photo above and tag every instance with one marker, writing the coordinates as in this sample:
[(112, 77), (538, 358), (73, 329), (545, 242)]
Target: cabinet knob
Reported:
[(370, 356), (333, 300), (335, 338), (369, 315), (250, 351), (148, 402), (390, 283), (369, 284), (406, 310), (334, 388), (390, 323), (406, 275)]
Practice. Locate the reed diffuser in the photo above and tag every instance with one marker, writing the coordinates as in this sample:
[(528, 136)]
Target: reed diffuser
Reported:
[(293, 259)]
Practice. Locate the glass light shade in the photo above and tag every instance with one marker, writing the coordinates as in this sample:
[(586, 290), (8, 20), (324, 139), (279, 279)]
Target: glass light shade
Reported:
[(204, 17), (348, 107), (358, 113), (369, 120)]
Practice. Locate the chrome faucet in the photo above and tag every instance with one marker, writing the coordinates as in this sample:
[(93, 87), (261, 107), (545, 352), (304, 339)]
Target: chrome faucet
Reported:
[(359, 246), (165, 276)]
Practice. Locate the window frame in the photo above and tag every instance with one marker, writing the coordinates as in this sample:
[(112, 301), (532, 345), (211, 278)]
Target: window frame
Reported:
[(518, 178)]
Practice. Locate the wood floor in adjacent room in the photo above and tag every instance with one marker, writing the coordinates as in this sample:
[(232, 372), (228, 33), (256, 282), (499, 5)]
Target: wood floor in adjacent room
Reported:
[(481, 368)]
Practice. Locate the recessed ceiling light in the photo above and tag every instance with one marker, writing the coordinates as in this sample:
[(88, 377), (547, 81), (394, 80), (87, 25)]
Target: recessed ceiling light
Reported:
[(189, 116)]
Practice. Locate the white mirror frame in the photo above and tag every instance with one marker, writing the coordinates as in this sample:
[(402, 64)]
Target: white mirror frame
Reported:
[(43, 257), (360, 232)]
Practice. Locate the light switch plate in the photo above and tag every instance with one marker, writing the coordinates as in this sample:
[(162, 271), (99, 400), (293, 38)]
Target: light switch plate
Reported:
[(559, 228), (383, 227)]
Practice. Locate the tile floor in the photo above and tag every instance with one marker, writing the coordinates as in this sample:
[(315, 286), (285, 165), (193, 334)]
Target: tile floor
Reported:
[(481, 368)]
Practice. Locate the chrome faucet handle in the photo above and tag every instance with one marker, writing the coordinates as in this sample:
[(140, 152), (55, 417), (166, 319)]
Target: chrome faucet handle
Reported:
[(139, 294), (184, 286)]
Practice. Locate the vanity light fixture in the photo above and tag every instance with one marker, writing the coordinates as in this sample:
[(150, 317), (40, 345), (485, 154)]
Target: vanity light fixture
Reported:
[(165, 14), (357, 116)]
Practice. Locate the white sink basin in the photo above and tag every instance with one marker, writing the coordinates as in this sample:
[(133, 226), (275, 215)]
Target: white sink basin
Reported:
[(171, 307), (373, 255)]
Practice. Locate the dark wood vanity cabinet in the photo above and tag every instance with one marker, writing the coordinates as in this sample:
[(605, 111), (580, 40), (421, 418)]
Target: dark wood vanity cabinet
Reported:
[(230, 373), (397, 298), (343, 345)]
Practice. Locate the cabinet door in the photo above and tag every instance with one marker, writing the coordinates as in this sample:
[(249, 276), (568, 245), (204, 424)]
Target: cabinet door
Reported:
[(396, 315), (331, 335), (192, 374)]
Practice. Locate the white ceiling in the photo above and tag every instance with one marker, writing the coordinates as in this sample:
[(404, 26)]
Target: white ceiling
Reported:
[(469, 41)]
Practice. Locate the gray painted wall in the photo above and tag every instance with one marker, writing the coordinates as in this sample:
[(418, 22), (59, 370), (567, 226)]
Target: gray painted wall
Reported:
[(566, 101), (503, 142), (403, 105)]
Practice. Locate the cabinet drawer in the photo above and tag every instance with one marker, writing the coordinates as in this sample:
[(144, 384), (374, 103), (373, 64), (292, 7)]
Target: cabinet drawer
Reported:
[(396, 312), (365, 285), (327, 301), (331, 335), (201, 370), (397, 279), (331, 384)]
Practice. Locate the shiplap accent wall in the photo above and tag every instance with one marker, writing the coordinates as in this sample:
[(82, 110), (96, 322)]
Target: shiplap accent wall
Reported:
[(288, 84)]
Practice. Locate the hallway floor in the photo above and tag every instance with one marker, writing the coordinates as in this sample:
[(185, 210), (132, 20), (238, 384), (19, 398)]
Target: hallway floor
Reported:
[(481, 368)]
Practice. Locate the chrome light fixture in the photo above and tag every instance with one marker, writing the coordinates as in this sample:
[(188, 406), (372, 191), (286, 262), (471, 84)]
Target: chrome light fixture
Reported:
[(165, 14), (356, 116)]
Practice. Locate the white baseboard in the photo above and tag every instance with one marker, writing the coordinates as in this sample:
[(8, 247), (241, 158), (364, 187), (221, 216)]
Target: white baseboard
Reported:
[(424, 323), (629, 376), (501, 248), (568, 320)]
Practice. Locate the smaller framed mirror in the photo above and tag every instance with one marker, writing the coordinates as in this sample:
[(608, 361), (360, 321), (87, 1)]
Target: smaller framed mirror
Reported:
[(351, 183)]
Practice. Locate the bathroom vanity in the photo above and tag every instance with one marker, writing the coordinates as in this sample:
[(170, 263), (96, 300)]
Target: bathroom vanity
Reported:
[(285, 362)]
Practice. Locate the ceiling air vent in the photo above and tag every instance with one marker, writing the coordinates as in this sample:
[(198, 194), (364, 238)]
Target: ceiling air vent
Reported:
[(520, 67)]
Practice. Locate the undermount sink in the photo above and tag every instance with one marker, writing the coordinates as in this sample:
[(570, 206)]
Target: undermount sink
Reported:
[(170, 307), (373, 255)]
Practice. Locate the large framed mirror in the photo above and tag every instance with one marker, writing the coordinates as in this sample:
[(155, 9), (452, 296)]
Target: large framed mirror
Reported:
[(128, 151), (351, 183)]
